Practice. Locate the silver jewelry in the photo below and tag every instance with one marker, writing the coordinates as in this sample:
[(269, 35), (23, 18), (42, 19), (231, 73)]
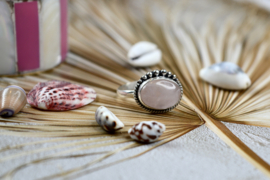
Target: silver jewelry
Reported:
[(158, 91)]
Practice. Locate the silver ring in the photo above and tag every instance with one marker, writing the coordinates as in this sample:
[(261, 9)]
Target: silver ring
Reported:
[(158, 91)]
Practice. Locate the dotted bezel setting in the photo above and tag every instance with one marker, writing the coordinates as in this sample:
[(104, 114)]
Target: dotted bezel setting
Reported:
[(151, 75)]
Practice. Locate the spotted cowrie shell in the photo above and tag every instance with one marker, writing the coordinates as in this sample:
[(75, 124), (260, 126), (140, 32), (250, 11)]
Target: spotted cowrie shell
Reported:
[(107, 120), (226, 75), (144, 54), (147, 131)]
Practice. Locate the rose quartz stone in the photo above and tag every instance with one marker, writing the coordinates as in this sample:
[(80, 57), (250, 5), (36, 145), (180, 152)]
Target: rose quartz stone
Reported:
[(160, 94)]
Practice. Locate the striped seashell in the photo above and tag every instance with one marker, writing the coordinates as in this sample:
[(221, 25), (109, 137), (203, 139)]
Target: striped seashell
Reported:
[(107, 120), (12, 100), (147, 131), (60, 96)]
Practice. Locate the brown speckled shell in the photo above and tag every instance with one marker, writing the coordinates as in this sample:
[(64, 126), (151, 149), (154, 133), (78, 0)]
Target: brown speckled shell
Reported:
[(107, 120), (147, 131)]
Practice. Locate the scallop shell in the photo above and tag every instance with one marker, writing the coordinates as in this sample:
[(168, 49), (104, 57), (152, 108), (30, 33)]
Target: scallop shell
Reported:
[(13, 100), (226, 75), (60, 96), (144, 54), (107, 120), (147, 131)]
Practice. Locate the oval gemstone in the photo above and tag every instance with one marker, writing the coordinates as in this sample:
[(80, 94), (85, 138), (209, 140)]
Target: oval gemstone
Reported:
[(160, 94)]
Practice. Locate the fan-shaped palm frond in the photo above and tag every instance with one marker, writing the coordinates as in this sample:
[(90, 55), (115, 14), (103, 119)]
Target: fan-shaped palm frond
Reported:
[(191, 36)]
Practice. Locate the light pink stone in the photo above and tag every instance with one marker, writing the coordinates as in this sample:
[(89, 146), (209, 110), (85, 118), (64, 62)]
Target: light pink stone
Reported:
[(160, 94)]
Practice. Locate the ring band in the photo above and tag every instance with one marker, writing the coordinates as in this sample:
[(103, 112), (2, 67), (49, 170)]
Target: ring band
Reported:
[(127, 90), (158, 91)]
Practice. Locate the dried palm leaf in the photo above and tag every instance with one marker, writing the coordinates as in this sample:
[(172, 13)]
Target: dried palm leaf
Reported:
[(191, 36)]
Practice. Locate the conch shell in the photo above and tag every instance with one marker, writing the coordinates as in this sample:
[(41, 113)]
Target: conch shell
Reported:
[(13, 100)]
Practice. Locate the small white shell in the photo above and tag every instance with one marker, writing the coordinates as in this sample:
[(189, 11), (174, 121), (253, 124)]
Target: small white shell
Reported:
[(107, 120), (147, 131), (226, 75), (144, 54)]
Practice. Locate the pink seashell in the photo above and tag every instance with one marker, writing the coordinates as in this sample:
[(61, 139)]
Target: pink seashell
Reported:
[(60, 96)]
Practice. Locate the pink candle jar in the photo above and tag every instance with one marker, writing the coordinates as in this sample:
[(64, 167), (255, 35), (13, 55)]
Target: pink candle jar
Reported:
[(33, 35)]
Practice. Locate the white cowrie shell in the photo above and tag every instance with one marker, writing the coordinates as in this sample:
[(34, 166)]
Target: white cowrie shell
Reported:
[(147, 131), (144, 54), (107, 120), (226, 75)]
